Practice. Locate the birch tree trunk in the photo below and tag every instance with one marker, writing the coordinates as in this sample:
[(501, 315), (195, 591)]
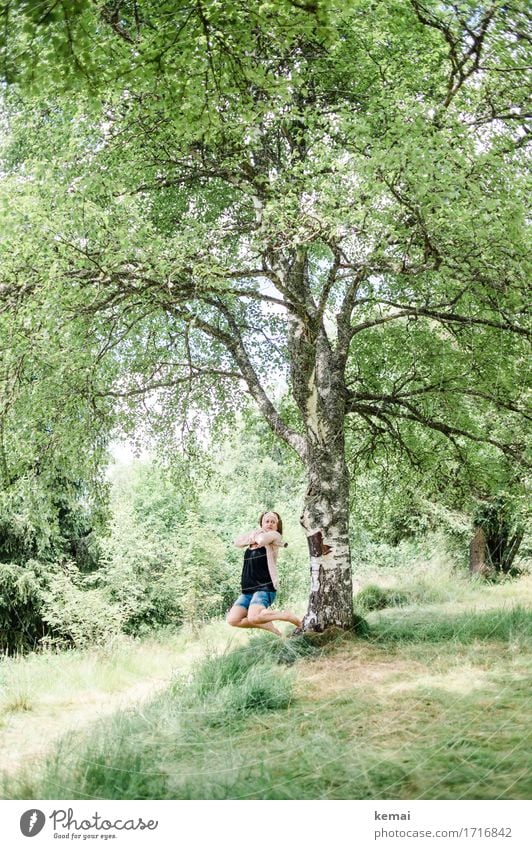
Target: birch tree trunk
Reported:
[(318, 381), (325, 519)]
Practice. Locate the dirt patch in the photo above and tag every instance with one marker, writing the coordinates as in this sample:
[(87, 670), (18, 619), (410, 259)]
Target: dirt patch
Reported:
[(356, 669)]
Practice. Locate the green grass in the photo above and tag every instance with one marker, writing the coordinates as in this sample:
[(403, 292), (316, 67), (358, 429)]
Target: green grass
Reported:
[(68, 674), (465, 627), (373, 597), (434, 703)]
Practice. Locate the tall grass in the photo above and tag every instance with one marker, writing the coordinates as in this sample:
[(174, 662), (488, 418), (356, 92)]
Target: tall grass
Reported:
[(132, 755), (433, 703), (506, 625), (108, 669)]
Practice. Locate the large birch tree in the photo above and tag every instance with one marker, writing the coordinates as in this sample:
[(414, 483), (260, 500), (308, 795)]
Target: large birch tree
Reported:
[(233, 194)]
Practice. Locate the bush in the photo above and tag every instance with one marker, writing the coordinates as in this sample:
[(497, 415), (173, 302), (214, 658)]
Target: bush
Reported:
[(21, 598), (373, 597), (80, 614), (162, 567)]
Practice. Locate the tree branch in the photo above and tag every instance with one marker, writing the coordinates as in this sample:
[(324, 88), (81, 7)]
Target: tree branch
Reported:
[(233, 343), (242, 359), (415, 415), (443, 317)]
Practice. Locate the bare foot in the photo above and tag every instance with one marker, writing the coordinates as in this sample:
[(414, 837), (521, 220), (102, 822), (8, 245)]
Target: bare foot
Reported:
[(288, 616), (269, 626)]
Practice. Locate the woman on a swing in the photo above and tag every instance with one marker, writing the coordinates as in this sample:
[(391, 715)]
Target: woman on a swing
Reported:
[(259, 578)]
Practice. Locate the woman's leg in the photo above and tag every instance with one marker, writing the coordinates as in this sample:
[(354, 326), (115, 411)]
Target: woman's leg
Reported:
[(238, 618), (259, 616)]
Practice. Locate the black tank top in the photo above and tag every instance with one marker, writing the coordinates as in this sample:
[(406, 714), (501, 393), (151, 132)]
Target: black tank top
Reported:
[(255, 574)]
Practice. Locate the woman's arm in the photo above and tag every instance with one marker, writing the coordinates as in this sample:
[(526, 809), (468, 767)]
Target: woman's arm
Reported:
[(269, 538), (246, 539), (259, 537)]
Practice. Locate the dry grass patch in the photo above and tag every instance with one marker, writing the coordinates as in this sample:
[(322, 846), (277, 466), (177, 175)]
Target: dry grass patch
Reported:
[(352, 667), (459, 680)]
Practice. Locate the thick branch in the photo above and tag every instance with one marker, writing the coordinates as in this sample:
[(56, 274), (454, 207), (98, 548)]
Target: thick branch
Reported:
[(233, 342), (415, 415), (443, 317), (148, 387), (460, 53), (439, 389), (111, 15)]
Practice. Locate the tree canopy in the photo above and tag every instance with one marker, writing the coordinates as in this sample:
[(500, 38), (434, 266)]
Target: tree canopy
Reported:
[(207, 200)]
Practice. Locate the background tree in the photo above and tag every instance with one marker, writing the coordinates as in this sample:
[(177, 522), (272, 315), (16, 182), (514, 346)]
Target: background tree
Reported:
[(333, 196), (52, 457)]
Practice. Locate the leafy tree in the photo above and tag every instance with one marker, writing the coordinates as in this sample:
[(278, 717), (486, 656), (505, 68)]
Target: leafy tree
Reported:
[(163, 563), (21, 602), (329, 193), (403, 489), (52, 456), (52, 441), (499, 531)]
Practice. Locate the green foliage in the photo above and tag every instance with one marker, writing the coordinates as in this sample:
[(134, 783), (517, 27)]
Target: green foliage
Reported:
[(164, 564), (417, 179), (22, 590), (207, 585), (50, 519), (373, 597), (48, 604), (251, 471), (202, 198), (503, 524), (52, 454), (79, 613)]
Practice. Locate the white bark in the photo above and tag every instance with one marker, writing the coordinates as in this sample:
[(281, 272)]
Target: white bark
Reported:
[(325, 520)]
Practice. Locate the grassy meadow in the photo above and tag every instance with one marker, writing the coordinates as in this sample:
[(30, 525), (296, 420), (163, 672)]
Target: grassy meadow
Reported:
[(431, 700)]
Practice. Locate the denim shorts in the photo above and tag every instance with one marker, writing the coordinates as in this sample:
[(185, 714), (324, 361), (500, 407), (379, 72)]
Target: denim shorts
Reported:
[(262, 597)]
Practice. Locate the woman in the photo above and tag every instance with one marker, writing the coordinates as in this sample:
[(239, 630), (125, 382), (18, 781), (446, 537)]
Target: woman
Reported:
[(259, 578)]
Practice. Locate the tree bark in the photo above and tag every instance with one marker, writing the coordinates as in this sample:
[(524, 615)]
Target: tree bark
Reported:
[(318, 383), (477, 552), (495, 541), (325, 519)]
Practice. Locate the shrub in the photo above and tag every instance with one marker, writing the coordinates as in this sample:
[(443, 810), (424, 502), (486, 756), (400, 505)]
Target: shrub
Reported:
[(373, 597), (21, 598), (80, 614)]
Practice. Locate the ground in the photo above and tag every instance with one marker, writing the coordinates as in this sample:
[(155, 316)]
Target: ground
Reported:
[(434, 704)]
